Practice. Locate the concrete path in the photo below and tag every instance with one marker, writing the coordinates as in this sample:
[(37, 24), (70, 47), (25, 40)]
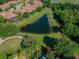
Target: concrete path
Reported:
[(3, 40)]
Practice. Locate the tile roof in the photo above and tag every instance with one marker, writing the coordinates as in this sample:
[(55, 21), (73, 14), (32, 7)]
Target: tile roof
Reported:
[(8, 15), (36, 4), (28, 8), (31, 7), (5, 5), (14, 2)]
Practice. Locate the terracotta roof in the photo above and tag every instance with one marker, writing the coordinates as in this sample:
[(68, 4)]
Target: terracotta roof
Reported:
[(28, 8), (8, 15), (4, 5), (7, 5), (14, 2), (37, 3)]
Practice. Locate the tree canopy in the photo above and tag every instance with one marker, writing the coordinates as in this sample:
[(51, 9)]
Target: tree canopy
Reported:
[(60, 48), (70, 29)]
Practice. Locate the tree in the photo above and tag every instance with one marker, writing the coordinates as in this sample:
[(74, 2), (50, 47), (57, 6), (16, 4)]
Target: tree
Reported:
[(1, 10), (4, 1), (70, 29), (65, 47), (68, 16), (7, 29), (25, 15), (46, 2), (66, 13), (60, 48), (29, 46), (50, 54), (27, 42), (1, 1)]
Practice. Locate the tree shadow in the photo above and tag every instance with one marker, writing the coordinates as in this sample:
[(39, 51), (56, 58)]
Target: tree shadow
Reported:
[(56, 29), (49, 42), (70, 57), (43, 50), (76, 39), (58, 19), (8, 55)]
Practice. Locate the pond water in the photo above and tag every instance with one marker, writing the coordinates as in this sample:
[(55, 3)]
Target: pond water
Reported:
[(39, 26)]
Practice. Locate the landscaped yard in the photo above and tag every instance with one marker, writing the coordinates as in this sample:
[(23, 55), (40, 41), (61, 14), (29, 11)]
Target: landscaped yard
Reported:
[(9, 46), (39, 37)]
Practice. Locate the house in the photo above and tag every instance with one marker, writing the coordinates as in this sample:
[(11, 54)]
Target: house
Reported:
[(14, 2), (36, 4), (7, 5), (4, 6), (30, 7), (8, 15)]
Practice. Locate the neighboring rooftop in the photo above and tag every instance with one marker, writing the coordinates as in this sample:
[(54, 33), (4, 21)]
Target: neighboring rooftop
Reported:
[(8, 15), (30, 7), (14, 2), (5, 5), (27, 8)]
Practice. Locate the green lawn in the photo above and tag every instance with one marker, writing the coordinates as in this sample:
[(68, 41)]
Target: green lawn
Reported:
[(39, 37), (9, 46)]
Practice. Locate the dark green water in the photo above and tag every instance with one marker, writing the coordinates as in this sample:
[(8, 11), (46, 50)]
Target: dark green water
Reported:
[(39, 26)]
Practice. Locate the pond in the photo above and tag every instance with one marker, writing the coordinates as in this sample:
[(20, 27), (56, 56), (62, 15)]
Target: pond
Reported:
[(40, 26)]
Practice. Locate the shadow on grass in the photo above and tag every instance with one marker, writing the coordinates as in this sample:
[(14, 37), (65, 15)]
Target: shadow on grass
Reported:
[(50, 43)]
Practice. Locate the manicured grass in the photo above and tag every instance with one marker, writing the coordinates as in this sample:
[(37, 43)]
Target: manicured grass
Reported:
[(39, 37), (9, 46)]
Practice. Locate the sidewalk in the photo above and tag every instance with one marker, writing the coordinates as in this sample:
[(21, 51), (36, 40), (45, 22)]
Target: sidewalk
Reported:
[(3, 40)]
